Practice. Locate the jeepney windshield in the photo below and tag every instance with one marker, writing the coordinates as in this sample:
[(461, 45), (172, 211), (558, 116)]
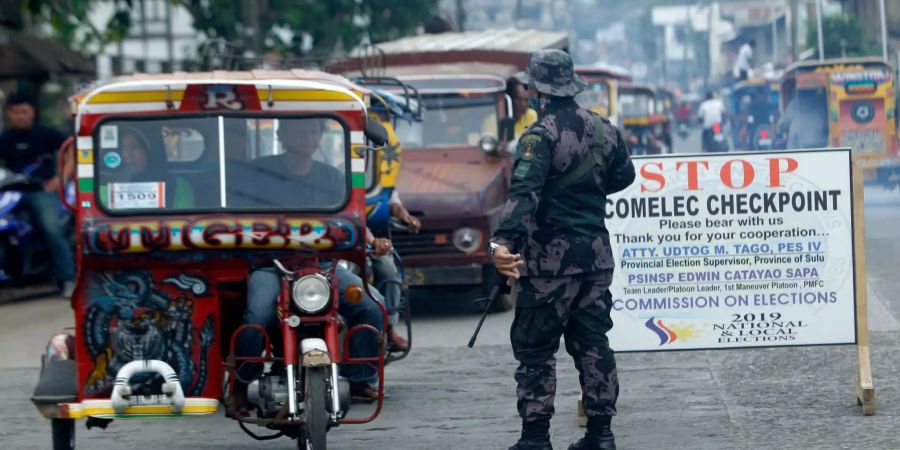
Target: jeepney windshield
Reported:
[(450, 120), (636, 103), (595, 97), (217, 163)]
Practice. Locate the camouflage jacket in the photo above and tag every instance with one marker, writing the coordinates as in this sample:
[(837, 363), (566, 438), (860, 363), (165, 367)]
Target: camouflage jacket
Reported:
[(565, 234)]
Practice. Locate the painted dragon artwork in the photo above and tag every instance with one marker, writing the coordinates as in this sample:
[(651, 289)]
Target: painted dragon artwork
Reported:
[(129, 318)]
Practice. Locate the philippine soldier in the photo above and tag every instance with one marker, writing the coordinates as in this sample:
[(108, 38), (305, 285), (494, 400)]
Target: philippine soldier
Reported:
[(552, 234)]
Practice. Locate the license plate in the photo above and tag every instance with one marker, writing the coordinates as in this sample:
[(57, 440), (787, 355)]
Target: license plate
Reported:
[(863, 141), (765, 142), (719, 137)]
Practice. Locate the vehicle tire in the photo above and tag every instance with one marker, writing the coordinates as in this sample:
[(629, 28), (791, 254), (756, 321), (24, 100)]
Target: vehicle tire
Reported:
[(35, 263), (316, 424), (63, 431)]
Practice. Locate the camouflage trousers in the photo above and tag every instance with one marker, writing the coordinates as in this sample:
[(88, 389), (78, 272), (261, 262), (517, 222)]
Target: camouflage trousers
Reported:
[(578, 308)]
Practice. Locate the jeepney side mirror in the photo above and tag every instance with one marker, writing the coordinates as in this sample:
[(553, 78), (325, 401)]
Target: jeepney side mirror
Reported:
[(376, 133)]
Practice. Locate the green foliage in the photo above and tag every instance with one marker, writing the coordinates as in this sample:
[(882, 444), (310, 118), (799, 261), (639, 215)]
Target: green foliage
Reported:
[(69, 20), (837, 28), (331, 24)]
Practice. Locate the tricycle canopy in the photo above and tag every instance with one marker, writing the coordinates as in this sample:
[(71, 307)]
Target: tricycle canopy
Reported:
[(188, 162)]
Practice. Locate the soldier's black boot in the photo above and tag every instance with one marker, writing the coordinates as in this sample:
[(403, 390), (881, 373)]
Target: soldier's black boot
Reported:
[(599, 436), (535, 436), (530, 444)]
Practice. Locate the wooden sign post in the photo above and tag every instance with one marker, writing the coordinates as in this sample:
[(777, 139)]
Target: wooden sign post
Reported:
[(865, 386)]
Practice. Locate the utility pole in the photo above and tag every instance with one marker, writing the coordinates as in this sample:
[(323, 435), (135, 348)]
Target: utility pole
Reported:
[(795, 41), (819, 29), (170, 37), (884, 40), (688, 38), (250, 10), (709, 45), (774, 37), (460, 16), (145, 39)]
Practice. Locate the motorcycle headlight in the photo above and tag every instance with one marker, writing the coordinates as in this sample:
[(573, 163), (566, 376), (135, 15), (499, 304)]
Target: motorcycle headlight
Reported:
[(488, 143), (467, 240), (311, 293)]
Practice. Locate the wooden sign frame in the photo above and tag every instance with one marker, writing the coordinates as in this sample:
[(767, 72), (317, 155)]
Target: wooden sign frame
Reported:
[(864, 383)]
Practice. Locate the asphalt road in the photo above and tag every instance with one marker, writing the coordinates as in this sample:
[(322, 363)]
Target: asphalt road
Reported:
[(448, 397)]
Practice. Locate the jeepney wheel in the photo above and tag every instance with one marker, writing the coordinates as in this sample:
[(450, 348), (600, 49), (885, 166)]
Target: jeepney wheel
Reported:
[(316, 423), (63, 431)]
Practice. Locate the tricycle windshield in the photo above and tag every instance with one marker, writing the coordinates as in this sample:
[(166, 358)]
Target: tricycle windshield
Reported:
[(636, 104), (450, 120), (218, 163)]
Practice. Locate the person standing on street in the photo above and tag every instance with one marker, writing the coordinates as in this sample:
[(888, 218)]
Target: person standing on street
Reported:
[(744, 62), (552, 238), (26, 143)]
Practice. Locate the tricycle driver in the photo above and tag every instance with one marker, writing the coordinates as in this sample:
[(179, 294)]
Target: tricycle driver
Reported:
[(288, 176)]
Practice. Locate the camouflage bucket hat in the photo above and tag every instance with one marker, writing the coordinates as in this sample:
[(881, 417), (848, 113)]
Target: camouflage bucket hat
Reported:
[(552, 72)]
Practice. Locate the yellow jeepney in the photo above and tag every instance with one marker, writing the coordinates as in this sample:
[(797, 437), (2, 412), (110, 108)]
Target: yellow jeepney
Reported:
[(602, 92), (859, 94)]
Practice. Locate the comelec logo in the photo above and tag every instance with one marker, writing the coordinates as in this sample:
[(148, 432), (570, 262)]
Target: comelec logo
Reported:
[(671, 332), (666, 335)]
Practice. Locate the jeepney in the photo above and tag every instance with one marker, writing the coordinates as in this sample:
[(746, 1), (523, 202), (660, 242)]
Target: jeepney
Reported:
[(643, 122), (603, 87), (859, 95)]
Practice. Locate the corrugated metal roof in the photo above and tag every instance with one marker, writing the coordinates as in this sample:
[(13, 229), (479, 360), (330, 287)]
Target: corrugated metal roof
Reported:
[(449, 70), (509, 40)]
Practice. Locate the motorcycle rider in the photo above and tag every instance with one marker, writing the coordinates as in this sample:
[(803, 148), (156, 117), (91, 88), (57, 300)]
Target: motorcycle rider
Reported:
[(761, 112), (710, 113), (296, 167), (387, 276), (24, 143)]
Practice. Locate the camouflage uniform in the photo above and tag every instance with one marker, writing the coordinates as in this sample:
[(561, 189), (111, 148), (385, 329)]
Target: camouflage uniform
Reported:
[(564, 289)]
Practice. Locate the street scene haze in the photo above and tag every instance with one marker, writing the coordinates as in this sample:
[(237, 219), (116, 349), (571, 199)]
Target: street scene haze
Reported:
[(449, 224)]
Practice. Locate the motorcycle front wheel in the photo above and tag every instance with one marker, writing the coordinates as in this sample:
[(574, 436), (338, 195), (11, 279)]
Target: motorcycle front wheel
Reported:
[(317, 417)]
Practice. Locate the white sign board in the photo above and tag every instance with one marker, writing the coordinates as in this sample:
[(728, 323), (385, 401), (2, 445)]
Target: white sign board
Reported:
[(734, 250)]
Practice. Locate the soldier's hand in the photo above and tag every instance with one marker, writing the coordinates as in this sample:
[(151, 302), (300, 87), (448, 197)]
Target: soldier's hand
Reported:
[(507, 263)]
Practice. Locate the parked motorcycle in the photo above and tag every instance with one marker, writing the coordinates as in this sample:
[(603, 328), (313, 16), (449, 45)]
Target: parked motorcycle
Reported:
[(24, 257)]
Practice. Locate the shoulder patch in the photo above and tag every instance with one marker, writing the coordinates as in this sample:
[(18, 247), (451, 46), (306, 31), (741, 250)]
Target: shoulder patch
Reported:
[(528, 142)]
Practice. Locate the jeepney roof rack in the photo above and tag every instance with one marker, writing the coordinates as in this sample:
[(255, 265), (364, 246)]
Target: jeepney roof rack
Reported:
[(372, 61), (808, 66), (387, 88)]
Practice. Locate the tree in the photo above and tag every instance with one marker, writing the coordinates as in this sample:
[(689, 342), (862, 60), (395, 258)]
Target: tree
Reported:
[(290, 26), (845, 36), (68, 19)]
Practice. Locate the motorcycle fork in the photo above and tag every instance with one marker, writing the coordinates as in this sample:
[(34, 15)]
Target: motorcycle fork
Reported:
[(289, 342)]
